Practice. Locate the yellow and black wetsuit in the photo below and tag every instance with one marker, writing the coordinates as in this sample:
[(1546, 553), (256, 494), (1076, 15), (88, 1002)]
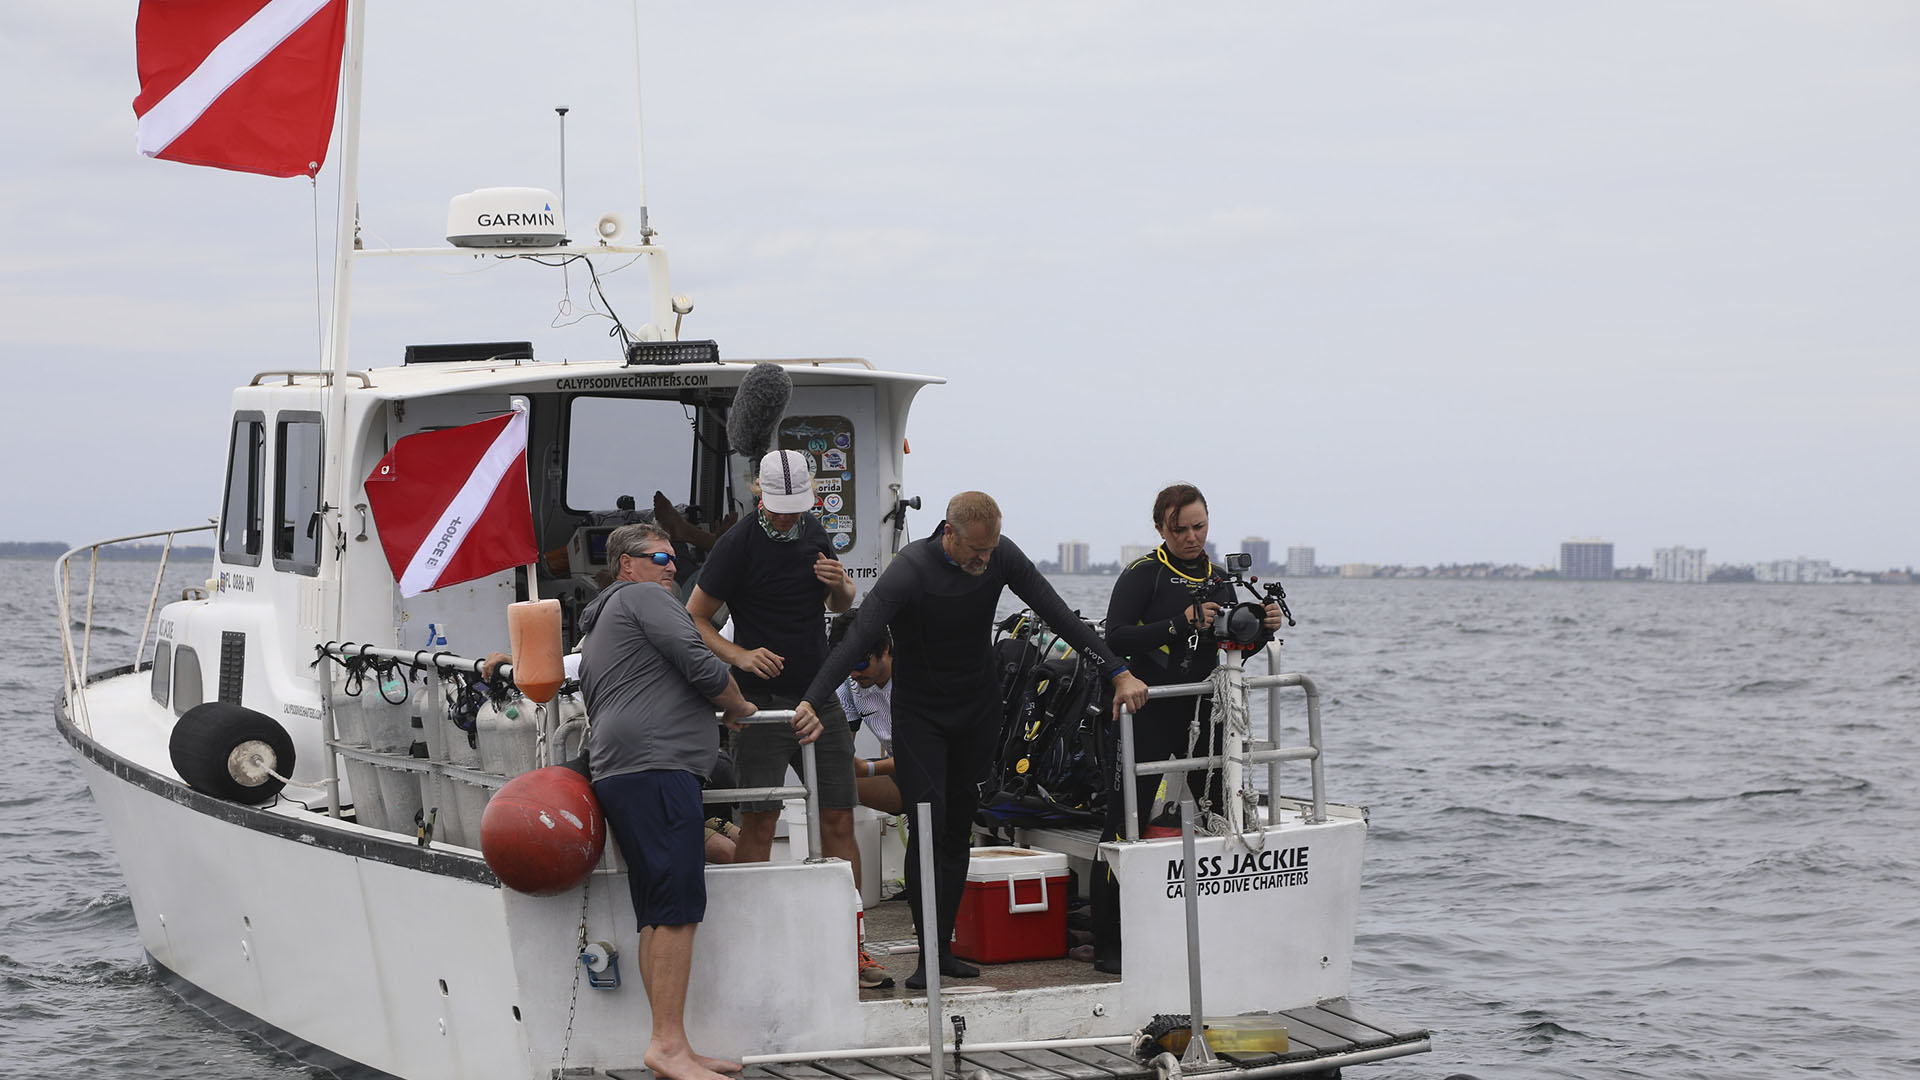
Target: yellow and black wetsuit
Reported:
[(1147, 626)]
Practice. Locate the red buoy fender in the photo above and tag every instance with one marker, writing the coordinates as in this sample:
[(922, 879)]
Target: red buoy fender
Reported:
[(542, 833)]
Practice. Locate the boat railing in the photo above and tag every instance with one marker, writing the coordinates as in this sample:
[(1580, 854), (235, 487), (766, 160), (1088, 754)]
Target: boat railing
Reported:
[(75, 664), (1267, 751), (552, 734)]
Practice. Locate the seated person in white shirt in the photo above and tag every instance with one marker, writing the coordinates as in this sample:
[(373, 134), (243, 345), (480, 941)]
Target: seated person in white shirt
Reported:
[(867, 698)]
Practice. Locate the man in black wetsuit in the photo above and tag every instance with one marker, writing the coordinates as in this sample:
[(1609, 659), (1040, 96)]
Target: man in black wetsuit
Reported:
[(938, 597)]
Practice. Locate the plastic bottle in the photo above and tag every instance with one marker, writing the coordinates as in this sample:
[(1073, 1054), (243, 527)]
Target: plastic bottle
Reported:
[(533, 628)]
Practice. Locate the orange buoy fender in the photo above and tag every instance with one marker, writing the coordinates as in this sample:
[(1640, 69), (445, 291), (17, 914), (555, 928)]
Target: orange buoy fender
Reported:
[(533, 628), (542, 833)]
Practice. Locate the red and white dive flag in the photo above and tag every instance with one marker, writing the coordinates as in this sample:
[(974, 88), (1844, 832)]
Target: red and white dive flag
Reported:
[(451, 505), (248, 85)]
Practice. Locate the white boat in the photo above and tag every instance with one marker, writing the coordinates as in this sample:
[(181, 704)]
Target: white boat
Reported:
[(349, 917)]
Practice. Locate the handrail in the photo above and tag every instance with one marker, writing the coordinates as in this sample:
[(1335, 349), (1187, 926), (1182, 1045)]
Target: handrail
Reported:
[(447, 661), (812, 361), (1273, 755), (74, 668), (365, 379)]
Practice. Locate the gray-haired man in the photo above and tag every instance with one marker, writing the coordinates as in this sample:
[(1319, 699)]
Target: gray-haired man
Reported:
[(651, 686)]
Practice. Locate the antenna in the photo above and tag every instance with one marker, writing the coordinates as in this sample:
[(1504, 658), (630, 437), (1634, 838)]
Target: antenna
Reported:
[(639, 140), (562, 110)]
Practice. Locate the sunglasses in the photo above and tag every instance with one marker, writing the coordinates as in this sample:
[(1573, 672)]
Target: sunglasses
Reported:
[(660, 558), (863, 665)]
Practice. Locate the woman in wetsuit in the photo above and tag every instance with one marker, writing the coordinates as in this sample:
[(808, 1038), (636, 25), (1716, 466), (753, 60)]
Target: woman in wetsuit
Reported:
[(1158, 621)]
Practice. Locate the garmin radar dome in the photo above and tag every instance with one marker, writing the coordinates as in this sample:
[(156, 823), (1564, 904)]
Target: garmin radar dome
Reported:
[(500, 217), (542, 833)]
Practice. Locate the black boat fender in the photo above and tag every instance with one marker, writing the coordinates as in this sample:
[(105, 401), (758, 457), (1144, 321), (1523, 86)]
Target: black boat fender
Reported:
[(232, 753)]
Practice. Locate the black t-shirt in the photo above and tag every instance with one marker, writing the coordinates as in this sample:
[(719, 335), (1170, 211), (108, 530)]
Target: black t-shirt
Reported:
[(776, 602)]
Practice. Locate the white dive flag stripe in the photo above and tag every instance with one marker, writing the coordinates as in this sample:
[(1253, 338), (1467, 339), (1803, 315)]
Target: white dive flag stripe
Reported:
[(463, 513), (223, 67)]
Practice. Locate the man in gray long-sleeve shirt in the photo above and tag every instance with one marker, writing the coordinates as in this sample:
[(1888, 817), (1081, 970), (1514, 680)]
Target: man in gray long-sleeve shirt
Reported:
[(651, 686)]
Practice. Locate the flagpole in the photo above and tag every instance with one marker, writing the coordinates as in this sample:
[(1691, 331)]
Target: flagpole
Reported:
[(344, 245)]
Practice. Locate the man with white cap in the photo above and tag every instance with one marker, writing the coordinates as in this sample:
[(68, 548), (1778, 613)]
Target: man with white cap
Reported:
[(776, 576)]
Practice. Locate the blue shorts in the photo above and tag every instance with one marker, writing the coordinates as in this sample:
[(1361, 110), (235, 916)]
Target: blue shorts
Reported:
[(656, 818)]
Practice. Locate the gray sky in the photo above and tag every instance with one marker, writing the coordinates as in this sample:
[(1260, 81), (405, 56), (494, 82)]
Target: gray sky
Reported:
[(1408, 282)]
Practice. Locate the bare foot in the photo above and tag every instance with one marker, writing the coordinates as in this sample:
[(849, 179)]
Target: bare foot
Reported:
[(678, 527), (684, 1065), (719, 1065)]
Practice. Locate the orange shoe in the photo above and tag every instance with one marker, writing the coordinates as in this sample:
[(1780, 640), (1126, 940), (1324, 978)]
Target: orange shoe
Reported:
[(872, 975)]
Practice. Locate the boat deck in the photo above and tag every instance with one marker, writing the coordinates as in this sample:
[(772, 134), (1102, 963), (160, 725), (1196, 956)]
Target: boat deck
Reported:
[(1322, 1038)]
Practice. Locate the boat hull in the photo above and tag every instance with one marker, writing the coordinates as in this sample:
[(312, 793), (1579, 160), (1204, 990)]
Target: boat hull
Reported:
[(361, 951), (346, 949)]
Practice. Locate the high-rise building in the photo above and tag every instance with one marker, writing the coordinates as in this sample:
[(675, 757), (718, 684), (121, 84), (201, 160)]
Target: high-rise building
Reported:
[(1132, 553), (1586, 560), (1299, 561), (1261, 551), (1213, 551), (1680, 564), (1800, 571), (1075, 557)]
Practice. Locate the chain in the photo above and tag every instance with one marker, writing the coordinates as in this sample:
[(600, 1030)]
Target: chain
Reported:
[(573, 1000)]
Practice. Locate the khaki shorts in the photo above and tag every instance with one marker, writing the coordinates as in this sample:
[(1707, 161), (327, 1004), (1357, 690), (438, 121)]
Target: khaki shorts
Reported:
[(762, 754)]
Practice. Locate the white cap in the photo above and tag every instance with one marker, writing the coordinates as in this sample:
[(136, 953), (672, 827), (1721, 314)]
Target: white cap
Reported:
[(786, 487)]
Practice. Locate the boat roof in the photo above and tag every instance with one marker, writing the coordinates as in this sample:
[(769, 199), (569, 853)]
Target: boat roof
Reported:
[(429, 379)]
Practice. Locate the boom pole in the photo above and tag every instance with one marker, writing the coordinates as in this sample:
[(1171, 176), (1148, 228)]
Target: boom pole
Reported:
[(345, 241)]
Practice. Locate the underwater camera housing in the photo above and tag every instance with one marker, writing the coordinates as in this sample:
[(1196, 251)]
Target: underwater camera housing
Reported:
[(1242, 626)]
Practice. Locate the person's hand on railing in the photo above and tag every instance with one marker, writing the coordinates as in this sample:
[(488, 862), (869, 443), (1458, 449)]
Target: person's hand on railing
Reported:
[(806, 723), (1130, 692), (733, 714)]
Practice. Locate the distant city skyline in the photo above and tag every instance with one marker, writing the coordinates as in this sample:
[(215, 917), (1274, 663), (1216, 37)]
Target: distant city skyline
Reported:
[(1593, 559)]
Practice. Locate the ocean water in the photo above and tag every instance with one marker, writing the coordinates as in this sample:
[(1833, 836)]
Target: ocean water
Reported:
[(1618, 830)]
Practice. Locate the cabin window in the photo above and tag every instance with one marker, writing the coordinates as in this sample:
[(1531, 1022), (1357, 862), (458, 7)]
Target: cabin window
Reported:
[(240, 518), (627, 446), (298, 454), (162, 669), (186, 679)]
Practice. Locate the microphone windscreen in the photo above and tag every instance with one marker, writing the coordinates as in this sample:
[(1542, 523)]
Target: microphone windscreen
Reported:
[(757, 408)]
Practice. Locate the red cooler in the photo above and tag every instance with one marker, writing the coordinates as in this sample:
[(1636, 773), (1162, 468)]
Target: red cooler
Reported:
[(1014, 907)]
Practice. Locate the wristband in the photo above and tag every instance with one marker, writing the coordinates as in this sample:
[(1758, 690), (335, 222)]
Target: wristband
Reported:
[(870, 768), (1117, 672)]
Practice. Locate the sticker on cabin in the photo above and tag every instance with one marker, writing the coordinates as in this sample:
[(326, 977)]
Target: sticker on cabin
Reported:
[(843, 541), (1239, 872), (827, 442)]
